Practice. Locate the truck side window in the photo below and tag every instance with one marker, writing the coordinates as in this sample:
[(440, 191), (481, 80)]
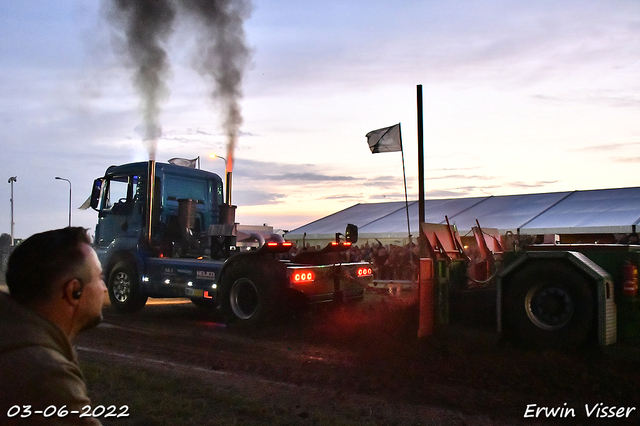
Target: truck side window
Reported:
[(118, 195)]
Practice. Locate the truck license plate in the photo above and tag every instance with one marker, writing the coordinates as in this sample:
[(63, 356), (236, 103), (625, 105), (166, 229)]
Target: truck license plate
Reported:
[(191, 292)]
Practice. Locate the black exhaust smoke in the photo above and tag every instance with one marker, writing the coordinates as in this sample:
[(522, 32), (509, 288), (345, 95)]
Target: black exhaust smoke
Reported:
[(146, 25), (221, 58)]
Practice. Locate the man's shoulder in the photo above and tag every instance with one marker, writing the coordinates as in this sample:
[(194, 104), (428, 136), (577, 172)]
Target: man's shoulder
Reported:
[(38, 357), (40, 377), (22, 328), (37, 362), (38, 366)]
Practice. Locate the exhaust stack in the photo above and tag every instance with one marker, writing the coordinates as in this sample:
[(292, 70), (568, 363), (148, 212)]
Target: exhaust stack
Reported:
[(224, 233), (151, 176), (228, 189)]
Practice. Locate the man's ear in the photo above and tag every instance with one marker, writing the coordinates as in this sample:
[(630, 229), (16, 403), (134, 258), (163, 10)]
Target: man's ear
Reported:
[(72, 291)]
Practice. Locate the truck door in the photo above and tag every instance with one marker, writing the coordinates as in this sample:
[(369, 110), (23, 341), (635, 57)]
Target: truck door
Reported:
[(121, 209)]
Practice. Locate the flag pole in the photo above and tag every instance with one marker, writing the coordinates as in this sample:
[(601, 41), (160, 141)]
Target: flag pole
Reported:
[(404, 175), (421, 207), (377, 143)]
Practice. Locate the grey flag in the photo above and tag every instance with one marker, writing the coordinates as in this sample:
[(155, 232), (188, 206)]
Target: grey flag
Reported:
[(387, 139)]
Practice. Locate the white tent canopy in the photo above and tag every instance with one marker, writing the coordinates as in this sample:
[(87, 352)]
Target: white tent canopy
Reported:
[(590, 212), (573, 212)]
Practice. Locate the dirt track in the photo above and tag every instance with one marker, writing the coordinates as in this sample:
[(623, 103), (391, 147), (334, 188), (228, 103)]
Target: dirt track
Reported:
[(369, 352)]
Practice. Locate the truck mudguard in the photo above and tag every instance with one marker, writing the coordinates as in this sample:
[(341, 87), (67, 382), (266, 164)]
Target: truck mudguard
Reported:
[(604, 291)]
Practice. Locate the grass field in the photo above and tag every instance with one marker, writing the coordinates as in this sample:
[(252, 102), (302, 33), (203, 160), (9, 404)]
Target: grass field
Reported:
[(169, 395)]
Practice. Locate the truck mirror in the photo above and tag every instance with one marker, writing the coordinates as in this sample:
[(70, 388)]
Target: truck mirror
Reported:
[(351, 233), (95, 194)]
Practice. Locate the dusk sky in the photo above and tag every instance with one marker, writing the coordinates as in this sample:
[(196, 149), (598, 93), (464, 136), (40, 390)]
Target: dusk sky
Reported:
[(519, 97)]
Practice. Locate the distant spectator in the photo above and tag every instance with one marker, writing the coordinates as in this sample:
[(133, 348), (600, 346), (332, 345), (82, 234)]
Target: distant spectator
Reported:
[(381, 265)]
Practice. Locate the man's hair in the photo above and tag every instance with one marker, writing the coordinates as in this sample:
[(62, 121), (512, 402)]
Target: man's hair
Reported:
[(43, 259)]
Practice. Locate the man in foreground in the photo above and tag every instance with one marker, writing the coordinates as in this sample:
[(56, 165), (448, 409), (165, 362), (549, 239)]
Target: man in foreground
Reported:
[(55, 291)]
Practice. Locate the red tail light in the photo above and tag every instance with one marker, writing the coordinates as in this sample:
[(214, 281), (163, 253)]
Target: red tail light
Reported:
[(630, 276), (345, 244), (276, 247), (365, 272), (302, 276)]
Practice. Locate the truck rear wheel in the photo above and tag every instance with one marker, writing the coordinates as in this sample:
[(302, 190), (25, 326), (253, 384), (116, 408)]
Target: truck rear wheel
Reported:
[(548, 304), (124, 288), (250, 294)]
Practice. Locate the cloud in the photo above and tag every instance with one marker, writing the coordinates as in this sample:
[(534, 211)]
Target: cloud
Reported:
[(606, 97), (470, 43), (606, 147), (342, 197), (304, 176), (461, 176), (448, 169), (273, 171), (383, 181), (626, 159), (538, 184), (255, 198), (444, 193), (398, 196), (482, 190)]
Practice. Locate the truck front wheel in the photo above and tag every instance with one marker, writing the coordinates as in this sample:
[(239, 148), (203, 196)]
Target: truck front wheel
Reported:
[(124, 288), (548, 304)]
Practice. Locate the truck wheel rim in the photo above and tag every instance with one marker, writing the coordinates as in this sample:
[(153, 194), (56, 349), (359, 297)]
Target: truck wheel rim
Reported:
[(244, 298), (549, 307), (121, 287)]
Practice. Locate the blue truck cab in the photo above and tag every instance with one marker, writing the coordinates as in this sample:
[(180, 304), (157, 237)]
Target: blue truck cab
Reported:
[(162, 260)]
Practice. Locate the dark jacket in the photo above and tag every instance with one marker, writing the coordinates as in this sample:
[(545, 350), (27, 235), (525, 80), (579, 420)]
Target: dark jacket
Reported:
[(39, 369)]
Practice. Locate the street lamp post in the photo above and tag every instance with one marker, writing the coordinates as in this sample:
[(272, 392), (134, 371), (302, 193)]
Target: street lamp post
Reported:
[(223, 159), (61, 178), (11, 180)]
